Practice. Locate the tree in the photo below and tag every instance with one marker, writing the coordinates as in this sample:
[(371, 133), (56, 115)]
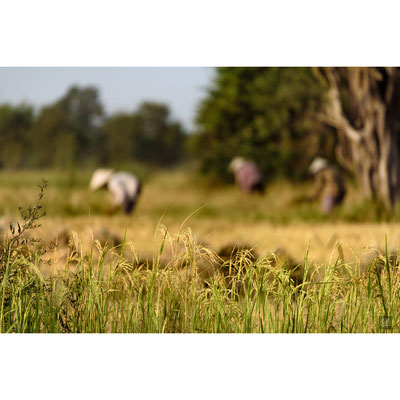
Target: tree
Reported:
[(118, 138), (72, 131), (265, 114), (363, 105), (159, 140), (15, 123), (83, 109), (147, 135), (45, 146), (67, 132)]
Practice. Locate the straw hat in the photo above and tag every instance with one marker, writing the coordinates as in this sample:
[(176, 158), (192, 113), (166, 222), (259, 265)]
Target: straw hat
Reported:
[(318, 165), (237, 163), (100, 178)]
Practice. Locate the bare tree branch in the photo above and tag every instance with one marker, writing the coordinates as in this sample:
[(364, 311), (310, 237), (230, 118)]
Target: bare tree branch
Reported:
[(336, 111)]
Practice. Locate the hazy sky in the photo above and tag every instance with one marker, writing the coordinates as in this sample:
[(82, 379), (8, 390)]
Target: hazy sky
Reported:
[(121, 89)]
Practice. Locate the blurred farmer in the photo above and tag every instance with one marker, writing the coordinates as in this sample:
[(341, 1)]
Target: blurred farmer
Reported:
[(247, 176), (329, 185), (123, 187)]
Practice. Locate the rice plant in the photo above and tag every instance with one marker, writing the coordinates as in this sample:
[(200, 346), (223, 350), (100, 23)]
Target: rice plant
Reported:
[(187, 287), (105, 291)]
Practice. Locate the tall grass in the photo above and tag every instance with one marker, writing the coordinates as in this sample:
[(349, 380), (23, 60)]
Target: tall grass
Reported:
[(193, 289), (106, 291)]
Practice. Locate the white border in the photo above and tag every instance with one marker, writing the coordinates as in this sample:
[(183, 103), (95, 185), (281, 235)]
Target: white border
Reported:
[(199, 366), (198, 33)]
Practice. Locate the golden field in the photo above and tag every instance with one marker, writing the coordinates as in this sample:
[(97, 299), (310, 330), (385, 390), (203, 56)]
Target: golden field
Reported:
[(216, 215), (161, 269)]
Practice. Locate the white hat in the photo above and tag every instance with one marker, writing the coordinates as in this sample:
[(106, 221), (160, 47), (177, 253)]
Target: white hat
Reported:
[(237, 163), (100, 178), (318, 164)]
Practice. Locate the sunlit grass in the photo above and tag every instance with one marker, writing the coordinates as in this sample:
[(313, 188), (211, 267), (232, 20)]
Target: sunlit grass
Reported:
[(175, 194), (159, 269), (104, 291)]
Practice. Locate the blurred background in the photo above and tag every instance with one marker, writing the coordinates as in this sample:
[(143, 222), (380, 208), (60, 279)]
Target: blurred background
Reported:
[(178, 129)]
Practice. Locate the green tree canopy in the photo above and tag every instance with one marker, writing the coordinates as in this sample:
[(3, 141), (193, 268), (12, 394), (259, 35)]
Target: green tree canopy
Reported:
[(15, 124), (44, 136), (265, 114), (83, 109), (118, 138), (147, 135), (67, 132), (73, 131)]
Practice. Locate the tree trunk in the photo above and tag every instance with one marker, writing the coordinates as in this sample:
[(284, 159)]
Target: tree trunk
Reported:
[(364, 107)]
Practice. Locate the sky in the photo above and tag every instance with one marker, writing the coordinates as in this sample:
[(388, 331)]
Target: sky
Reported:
[(121, 88)]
